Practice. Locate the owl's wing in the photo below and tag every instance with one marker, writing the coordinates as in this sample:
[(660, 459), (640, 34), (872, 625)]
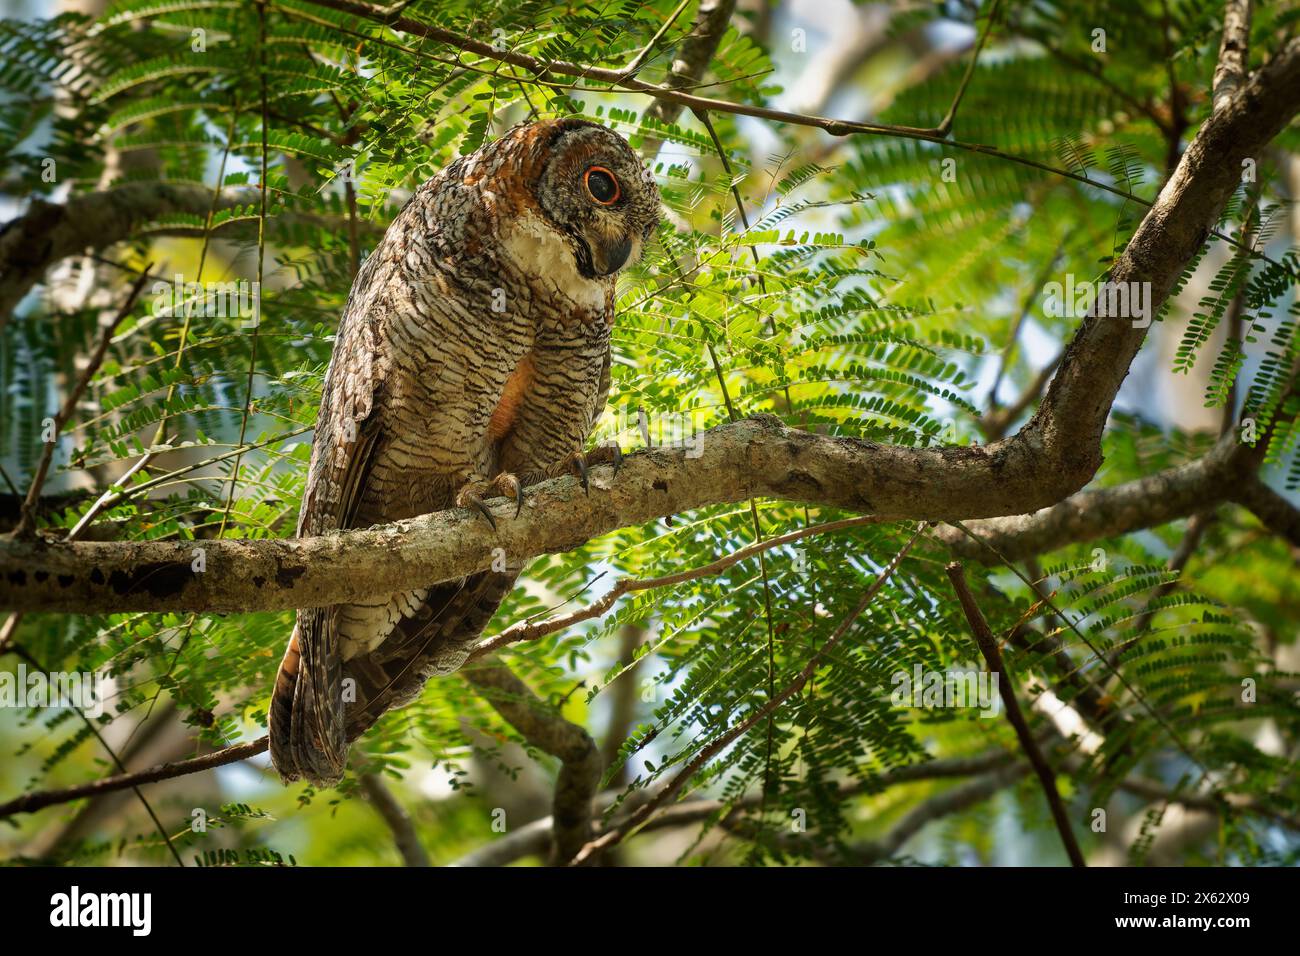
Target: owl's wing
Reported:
[(307, 731)]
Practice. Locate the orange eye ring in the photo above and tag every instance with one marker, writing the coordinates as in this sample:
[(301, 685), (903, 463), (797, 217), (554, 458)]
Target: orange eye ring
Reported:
[(586, 182)]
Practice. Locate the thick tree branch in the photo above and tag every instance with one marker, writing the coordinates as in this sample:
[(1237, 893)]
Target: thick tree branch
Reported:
[(1106, 512), (1274, 512), (1054, 455), (48, 232), (1234, 51)]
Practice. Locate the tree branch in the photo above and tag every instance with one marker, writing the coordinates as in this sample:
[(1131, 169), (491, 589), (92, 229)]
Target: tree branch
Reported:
[(530, 630), (1054, 455), (988, 645), (952, 801), (38, 799), (1106, 512), (1274, 512), (580, 763), (1234, 50), (48, 232), (534, 839), (397, 819)]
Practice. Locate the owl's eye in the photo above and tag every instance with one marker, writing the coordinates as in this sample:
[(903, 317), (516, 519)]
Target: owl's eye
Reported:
[(601, 185)]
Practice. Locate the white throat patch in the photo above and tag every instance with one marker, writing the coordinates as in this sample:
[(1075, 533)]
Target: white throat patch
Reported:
[(542, 254)]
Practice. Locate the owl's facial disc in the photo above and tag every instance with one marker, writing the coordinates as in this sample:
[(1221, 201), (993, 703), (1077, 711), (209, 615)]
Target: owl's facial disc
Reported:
[(598, 192)]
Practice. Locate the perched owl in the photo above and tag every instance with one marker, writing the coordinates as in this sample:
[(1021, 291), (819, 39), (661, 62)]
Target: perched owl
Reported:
[(472, 361)]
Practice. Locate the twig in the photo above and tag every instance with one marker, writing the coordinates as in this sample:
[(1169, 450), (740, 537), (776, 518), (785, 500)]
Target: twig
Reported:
[(531, 631), (39, 799), (988, 646), (114, 492), (117, 761), (945, 125), (26, 527), (636, 63), (395, 816), (673, 95), (7, 631)]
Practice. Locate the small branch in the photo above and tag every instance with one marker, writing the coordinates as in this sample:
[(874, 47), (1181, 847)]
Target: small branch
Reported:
[(395, 816), (531, 631), (945, 126), (988, 646), (39, 799), (534, 839), (952, 801), (117, 762), (994, 423), (108, 497), (638, 61), (26, 527)]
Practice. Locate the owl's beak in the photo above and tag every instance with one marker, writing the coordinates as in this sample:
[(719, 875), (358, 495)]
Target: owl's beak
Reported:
[(612, 254)]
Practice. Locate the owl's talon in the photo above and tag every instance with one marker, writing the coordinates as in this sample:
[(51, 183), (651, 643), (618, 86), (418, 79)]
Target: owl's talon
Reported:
[(504, 485), (580, 462), (468, 499), (508, 486)]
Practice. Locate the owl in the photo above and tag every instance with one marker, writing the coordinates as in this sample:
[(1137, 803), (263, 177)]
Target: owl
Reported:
[(472, 360)]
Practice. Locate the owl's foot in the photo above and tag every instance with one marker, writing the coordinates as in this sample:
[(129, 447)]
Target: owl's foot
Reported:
[(579, 463), (504, 485)]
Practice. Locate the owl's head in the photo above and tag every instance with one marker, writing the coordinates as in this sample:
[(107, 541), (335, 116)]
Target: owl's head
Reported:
[(595, 190)]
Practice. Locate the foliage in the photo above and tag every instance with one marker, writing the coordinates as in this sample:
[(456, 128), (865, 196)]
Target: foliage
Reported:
[(867, 296)]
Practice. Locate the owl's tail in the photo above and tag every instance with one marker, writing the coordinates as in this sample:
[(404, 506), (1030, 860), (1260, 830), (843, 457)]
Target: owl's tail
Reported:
[(306, 713)]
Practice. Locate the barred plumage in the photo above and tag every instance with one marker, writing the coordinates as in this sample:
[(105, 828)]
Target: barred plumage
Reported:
[(474, 351)]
